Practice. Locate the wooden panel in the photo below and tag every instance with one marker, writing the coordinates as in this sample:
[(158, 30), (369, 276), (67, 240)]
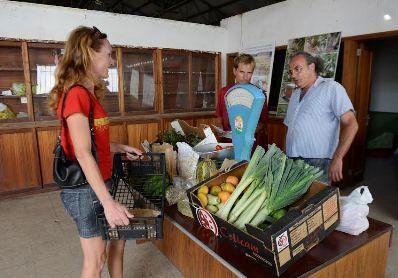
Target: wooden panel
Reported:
[(167, 122), (360, 263), (188, 256), (47, 138), (276, 133), (208, 121), (18, 159), (118, 133), (136, 133), (230, 67)]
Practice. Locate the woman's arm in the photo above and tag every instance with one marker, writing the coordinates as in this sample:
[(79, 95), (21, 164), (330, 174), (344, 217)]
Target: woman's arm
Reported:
[(128, 150), (79, 129)]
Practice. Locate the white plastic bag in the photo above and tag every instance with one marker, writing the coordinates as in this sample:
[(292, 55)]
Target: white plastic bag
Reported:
[(354, 210), (187, 161)]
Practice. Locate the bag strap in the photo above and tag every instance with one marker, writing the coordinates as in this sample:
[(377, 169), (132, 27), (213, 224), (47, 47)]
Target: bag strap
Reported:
[(91, 119)]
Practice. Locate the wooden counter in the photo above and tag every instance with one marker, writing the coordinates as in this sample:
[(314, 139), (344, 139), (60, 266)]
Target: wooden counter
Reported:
[(197, 252)]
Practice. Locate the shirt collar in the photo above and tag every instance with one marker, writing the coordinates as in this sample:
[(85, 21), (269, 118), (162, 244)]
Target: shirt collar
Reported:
[(318, 81)]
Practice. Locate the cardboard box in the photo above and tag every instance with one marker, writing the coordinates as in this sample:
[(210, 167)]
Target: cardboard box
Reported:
[(310, 220)]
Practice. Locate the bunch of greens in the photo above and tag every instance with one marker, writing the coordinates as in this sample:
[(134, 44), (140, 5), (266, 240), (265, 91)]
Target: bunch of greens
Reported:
[(172, 137), (273, 181)]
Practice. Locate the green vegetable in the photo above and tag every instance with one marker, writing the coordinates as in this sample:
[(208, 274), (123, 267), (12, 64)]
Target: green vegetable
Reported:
[(273, 182), (205, 169), (152, 185), (172, 137), (278, 214), (213, 200), (212, 208)]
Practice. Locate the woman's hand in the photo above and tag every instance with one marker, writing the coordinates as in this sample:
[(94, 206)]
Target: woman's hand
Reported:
[(130, 152), (115, 213)]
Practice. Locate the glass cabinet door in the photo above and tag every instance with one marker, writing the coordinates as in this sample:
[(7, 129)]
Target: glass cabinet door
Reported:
[(203, 81), (139, 82), (13, 100), (175, 81), (111, 98), (43, 60)]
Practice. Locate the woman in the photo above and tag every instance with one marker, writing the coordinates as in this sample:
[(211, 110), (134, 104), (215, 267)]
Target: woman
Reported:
[(79, 76)]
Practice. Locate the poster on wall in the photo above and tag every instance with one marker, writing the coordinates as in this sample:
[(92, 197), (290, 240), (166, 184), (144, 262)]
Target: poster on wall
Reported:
[(264, 57), (325, 46)]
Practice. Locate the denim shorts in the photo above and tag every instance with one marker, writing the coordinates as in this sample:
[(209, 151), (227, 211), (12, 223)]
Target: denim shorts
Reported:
[(83, 206)]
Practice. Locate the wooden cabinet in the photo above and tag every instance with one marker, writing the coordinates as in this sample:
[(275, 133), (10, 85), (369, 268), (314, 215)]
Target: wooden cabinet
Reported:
[(203, 81), (176, 87), (19, 160), (139, 87), (190, 81), (147, 89), (43, 59), (46, 139), (13, 100)]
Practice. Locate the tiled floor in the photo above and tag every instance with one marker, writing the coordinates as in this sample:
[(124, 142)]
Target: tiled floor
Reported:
[(39, 240)]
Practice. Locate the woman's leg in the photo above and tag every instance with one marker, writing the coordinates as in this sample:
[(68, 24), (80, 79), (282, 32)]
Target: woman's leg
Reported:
[(94, 256), (115, 258)]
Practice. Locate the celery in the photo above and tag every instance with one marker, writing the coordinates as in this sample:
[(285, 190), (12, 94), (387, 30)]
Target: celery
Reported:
[(250, 211), (251, 173)]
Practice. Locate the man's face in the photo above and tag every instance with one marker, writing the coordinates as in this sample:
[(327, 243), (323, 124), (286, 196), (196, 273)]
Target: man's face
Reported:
[(243, 73), (302, 74)]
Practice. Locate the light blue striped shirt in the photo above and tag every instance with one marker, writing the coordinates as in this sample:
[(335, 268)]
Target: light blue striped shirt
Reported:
[(314, 122)]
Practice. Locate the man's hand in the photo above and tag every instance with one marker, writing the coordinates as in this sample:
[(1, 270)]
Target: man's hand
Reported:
[(336, 169)]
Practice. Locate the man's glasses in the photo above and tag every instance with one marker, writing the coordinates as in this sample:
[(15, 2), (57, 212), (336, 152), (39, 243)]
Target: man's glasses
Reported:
[(97, 34), (296, 70)]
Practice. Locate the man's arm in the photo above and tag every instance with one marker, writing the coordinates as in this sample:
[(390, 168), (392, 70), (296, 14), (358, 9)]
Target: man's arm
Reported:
[(349, 128)]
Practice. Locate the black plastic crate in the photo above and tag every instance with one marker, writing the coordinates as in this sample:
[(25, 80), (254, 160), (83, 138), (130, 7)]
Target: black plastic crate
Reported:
[(131, 187)]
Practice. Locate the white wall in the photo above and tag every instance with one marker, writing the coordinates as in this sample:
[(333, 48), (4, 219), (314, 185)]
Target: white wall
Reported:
[(42, 22), (297, 18), (384, 93)]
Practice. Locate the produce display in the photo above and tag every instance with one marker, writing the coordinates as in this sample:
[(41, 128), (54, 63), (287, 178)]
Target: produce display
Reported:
[(152, 184), (172, 137), (216, 196), (18, 89), (5, 112), (270, 183), (205, 169)]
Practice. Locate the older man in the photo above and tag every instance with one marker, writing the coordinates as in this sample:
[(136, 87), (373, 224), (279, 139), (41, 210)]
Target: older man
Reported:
[(244, 65), (320, 118)]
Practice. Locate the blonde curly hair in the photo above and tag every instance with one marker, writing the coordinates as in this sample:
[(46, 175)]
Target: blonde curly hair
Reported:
[(76, 63)]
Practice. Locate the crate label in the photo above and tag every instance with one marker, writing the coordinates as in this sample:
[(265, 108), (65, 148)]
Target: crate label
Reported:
[(24, 100), (314, 221), (298, 234), (298, 250), (207, 220), (284, 256), (331, 221), (282, 241), (330, 207)]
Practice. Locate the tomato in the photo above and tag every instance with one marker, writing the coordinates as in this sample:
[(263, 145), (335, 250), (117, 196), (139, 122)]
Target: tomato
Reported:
[(218, 148)]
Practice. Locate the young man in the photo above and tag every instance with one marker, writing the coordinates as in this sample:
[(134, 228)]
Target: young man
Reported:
[(319, 110), (244, 65)]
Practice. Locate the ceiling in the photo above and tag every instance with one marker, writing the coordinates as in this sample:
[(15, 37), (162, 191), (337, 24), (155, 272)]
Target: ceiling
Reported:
[(209, 12)]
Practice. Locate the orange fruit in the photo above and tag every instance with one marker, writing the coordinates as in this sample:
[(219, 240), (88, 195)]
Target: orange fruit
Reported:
[(232, 180), (224, 195)]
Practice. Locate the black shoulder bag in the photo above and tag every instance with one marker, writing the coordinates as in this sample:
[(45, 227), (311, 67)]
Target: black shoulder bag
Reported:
[(68, 174)]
